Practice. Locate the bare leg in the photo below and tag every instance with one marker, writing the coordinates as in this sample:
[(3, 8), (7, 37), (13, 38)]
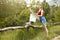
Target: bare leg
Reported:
[(46, 30)]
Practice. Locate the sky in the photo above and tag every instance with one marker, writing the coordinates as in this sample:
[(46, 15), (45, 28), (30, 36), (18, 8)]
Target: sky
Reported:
[(50, 2), (29, 1)]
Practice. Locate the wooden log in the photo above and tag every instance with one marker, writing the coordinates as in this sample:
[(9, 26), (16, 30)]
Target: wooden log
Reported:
[(19, 27), (9, 28)]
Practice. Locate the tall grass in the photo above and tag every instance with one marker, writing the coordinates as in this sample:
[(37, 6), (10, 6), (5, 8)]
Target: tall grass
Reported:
[(31, 34)]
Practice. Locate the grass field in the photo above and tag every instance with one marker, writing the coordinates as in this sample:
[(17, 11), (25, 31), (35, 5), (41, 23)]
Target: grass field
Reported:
[(31, 34)]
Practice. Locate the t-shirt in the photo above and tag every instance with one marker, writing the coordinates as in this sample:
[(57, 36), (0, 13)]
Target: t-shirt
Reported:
[(40, 11), (32, 17)]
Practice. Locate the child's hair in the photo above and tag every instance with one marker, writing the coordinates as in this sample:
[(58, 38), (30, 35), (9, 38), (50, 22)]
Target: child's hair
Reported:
[(40, 5)]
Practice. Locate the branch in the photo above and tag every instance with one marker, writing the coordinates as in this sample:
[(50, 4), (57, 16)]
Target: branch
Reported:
[(18, 27), (8, 28)]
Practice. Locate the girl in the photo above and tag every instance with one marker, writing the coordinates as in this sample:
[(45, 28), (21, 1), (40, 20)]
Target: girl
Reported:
[(42, 19)]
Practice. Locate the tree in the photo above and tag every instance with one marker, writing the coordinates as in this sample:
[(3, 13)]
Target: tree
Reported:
[(57, 15), (56, 2), (10, 7), (9, 10), (46, 9)]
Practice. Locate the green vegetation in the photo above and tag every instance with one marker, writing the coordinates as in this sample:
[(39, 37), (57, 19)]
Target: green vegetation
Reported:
[(46, 9), (31, 34), (15, 13), (57, 15)]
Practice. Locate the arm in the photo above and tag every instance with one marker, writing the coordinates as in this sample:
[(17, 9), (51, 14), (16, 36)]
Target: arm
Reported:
[(41, 13)]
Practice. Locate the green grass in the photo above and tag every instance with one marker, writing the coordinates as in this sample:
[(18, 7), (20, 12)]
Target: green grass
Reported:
[(31, 34)]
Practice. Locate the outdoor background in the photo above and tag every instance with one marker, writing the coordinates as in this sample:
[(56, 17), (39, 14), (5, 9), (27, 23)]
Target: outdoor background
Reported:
[(16, 13)]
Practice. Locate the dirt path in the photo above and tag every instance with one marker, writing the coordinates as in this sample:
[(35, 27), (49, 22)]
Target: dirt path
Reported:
[(56, 38)]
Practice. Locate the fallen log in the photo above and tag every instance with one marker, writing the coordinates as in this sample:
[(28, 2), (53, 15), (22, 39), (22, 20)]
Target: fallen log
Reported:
[(19, 27)]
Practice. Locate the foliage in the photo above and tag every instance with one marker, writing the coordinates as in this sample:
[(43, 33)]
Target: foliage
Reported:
[(15, 20), (31, 34), (57, 15), (24, 16), (10, 7), (46, 9)]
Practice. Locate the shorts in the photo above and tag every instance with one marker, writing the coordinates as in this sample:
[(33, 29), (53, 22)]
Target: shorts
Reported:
[(43, 20)]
